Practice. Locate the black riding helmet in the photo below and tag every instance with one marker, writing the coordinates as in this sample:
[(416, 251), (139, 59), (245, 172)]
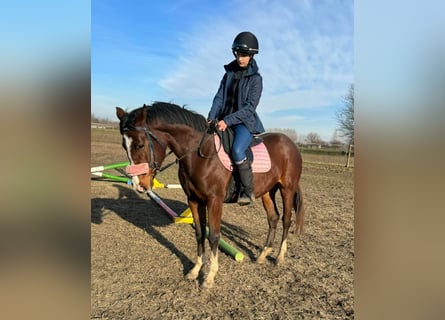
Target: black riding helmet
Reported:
[(245, 42)]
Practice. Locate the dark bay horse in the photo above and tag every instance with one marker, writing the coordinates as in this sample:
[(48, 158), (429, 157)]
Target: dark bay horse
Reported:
[(149, 130)]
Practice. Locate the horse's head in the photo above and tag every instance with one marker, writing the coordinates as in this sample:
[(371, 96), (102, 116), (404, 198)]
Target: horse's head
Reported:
[(144, 150)]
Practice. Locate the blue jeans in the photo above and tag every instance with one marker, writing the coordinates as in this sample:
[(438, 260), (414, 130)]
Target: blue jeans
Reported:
[(241, 141)]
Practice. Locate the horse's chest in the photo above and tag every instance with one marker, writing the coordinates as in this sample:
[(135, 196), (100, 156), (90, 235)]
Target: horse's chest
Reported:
[(191, 186)]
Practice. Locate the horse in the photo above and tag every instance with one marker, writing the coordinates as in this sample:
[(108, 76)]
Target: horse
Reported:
[(149, 130)]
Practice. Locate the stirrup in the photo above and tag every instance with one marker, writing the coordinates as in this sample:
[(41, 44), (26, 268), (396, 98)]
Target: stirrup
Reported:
[(244, 199)]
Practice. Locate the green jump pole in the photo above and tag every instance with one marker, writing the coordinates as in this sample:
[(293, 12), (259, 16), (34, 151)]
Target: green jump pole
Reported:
[(238, 256), (112, 177), (110, 166)]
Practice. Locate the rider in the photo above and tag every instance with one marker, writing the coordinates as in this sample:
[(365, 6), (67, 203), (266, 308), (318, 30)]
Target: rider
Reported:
[(234, 106)]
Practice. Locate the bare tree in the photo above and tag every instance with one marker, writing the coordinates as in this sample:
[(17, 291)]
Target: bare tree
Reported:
[(345, 116), (313, 138), (336, 141)]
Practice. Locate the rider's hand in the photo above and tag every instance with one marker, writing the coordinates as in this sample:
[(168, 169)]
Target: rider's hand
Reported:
[(222, 125)]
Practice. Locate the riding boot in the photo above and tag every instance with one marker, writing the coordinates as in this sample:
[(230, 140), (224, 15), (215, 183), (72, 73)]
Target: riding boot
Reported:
[(246, 183)]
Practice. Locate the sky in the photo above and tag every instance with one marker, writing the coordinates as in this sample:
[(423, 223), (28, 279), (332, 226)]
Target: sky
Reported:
[(146, 51)]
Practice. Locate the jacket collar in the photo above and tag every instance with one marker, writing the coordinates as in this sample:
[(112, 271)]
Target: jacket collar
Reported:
[(233, 67)]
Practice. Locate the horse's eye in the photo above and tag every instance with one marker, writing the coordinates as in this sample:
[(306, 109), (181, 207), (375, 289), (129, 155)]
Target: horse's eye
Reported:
[(140, 146)]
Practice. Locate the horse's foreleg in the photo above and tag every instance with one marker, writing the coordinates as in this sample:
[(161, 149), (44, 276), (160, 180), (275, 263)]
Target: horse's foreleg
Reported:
[(213, 269), (287, 214), (199, 216), (272, 218), (215, 212)]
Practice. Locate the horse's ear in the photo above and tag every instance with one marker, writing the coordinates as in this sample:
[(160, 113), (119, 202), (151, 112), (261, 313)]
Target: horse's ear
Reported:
[(120, 113), (141, 115)]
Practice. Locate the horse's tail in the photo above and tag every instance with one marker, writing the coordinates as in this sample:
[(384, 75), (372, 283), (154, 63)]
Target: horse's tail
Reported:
[(300, 210)]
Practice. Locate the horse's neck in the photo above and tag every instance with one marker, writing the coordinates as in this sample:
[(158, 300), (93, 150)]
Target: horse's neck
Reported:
[(181, 139)]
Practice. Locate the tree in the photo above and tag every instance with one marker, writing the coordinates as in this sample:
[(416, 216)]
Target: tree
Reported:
[(313, 138), (335, 141), (345, 116)]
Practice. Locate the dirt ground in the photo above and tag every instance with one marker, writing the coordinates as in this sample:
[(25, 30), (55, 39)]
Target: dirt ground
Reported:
[(139, 257)]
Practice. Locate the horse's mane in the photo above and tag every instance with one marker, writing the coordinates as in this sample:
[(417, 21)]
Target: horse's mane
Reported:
[(166, 112)]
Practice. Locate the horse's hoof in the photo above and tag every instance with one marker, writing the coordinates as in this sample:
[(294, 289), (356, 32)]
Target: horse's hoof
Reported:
[(279, 261), (263, 255), (191, 276), (207, 284), (260, 260)]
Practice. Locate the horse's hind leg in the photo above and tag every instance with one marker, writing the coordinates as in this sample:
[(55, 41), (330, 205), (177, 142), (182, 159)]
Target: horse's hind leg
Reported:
[(288, 199), (299, 210), (272, 218)]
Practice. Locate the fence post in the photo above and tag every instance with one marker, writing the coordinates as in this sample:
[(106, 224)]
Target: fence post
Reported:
[(349, 155)]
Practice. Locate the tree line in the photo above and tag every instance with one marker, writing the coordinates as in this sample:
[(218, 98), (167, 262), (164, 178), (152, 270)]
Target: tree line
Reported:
[(95, 119)]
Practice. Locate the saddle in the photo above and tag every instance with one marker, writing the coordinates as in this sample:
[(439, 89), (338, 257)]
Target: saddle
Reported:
[(257, 153), (227, 138)]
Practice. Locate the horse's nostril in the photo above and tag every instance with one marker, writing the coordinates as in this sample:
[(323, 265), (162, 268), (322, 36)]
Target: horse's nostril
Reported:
[(140, 188)]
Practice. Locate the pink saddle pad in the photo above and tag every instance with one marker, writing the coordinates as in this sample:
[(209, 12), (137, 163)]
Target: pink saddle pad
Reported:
[(261, 159)]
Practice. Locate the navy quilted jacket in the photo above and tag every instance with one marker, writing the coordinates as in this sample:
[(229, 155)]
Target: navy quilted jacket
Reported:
[(249, 93)]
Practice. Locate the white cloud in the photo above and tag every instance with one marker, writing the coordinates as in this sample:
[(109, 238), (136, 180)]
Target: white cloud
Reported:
[(300, 99), (306, 54)]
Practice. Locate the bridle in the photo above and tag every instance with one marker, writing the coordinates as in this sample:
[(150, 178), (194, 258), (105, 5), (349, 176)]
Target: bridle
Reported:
[(153, 164)]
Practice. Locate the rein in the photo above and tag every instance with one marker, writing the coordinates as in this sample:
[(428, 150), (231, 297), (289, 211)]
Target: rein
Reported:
[(211, 130)]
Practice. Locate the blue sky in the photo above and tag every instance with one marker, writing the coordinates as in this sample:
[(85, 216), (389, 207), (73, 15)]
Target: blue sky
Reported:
[(145, 51)]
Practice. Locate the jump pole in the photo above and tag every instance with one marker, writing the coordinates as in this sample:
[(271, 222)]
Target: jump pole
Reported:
[(112, 177), (110, 166), (157, 184), (185, 217), (97, 171), (238, 256), (161, 203), (223, 245)]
